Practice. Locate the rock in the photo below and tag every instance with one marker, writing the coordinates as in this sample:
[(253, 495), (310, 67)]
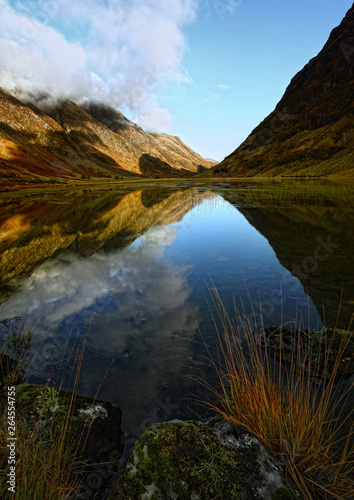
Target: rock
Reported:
[(319, 350), (93, 425), (193, 461)]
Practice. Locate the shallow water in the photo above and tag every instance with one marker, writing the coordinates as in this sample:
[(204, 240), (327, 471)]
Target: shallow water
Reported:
[(138, 267)]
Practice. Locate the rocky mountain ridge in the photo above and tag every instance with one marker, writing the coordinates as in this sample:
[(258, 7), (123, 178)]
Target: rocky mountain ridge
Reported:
[(73, 142), (311, 131)]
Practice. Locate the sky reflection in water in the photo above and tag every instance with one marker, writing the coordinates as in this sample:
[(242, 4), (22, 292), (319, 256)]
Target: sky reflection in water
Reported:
[(145, 301)]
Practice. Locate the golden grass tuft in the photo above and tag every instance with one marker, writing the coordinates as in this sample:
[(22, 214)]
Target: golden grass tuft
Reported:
[(47, 455), (295, 411)]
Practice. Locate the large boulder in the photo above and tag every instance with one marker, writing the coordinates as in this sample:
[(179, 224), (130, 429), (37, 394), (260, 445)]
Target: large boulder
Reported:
[(193, 461)]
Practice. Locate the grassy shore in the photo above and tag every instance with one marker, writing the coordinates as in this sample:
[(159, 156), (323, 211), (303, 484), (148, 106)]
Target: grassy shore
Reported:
[(295, 411), (46, 461)]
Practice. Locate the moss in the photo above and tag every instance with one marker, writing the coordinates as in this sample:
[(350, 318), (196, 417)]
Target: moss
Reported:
[(97, 441), (182, 459), (283, 493)]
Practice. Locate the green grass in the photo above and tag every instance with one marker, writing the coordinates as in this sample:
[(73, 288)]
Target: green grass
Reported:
[(287, 193), (296, 412), (209, 465)]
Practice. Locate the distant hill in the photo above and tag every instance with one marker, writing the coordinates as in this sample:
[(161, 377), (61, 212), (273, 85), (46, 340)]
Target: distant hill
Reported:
[(311, 131), (93, 141)]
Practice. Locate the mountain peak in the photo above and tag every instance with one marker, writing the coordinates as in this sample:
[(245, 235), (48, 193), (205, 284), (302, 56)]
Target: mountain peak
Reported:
[(74, 142), (310, 131)]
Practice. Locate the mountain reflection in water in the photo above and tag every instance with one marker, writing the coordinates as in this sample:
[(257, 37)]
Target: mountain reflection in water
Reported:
[(136, 264)]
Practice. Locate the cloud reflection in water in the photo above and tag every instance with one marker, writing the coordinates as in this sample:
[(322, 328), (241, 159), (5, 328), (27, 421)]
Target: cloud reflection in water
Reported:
[(138, 302)]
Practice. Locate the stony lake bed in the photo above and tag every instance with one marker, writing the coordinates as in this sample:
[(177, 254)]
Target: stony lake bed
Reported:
[(137, 266)]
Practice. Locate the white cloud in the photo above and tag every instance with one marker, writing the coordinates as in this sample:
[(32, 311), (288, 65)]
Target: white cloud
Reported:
[(222, 87), (221, 8), (113, 51), (137, 303), (153, 118), (217, 91), (226, 7)]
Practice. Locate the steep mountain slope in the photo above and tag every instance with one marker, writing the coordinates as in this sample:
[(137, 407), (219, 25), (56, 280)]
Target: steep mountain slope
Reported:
[(157, 153), (33, 144), (75, 143), (175, 149), (311, 131)]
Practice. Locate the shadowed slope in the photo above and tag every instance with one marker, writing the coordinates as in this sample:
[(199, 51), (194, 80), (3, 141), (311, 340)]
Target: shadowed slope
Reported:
[(73, 142), (310, 132)]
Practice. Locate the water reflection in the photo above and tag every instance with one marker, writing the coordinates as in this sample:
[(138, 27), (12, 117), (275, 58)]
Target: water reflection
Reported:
[(70, 284), (35, 229), (138, 307), (136, 300), (137, 265), (317, 247)]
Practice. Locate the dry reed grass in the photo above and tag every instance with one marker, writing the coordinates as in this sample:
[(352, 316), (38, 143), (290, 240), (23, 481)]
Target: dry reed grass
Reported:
[(47, 458), (295, 411)]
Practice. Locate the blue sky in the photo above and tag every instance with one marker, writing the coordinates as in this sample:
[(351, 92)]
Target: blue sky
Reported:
[(253, 52), (206, 70)]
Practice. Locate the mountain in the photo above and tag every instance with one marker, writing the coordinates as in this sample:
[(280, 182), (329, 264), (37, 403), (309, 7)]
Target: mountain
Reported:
[(92, 141), (311, 131)]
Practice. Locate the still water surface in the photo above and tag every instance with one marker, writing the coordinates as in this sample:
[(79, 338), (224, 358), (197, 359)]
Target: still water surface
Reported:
[(138, 266)]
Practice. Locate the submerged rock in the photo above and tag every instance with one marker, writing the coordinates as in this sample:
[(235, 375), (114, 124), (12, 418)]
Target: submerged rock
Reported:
[(319, 350), (193, 461)]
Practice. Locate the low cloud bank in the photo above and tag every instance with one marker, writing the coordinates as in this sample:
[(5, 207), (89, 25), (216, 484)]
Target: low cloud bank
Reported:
[(111, 51)]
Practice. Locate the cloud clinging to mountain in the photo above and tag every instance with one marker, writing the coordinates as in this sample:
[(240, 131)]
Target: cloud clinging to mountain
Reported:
[(113, 51)]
